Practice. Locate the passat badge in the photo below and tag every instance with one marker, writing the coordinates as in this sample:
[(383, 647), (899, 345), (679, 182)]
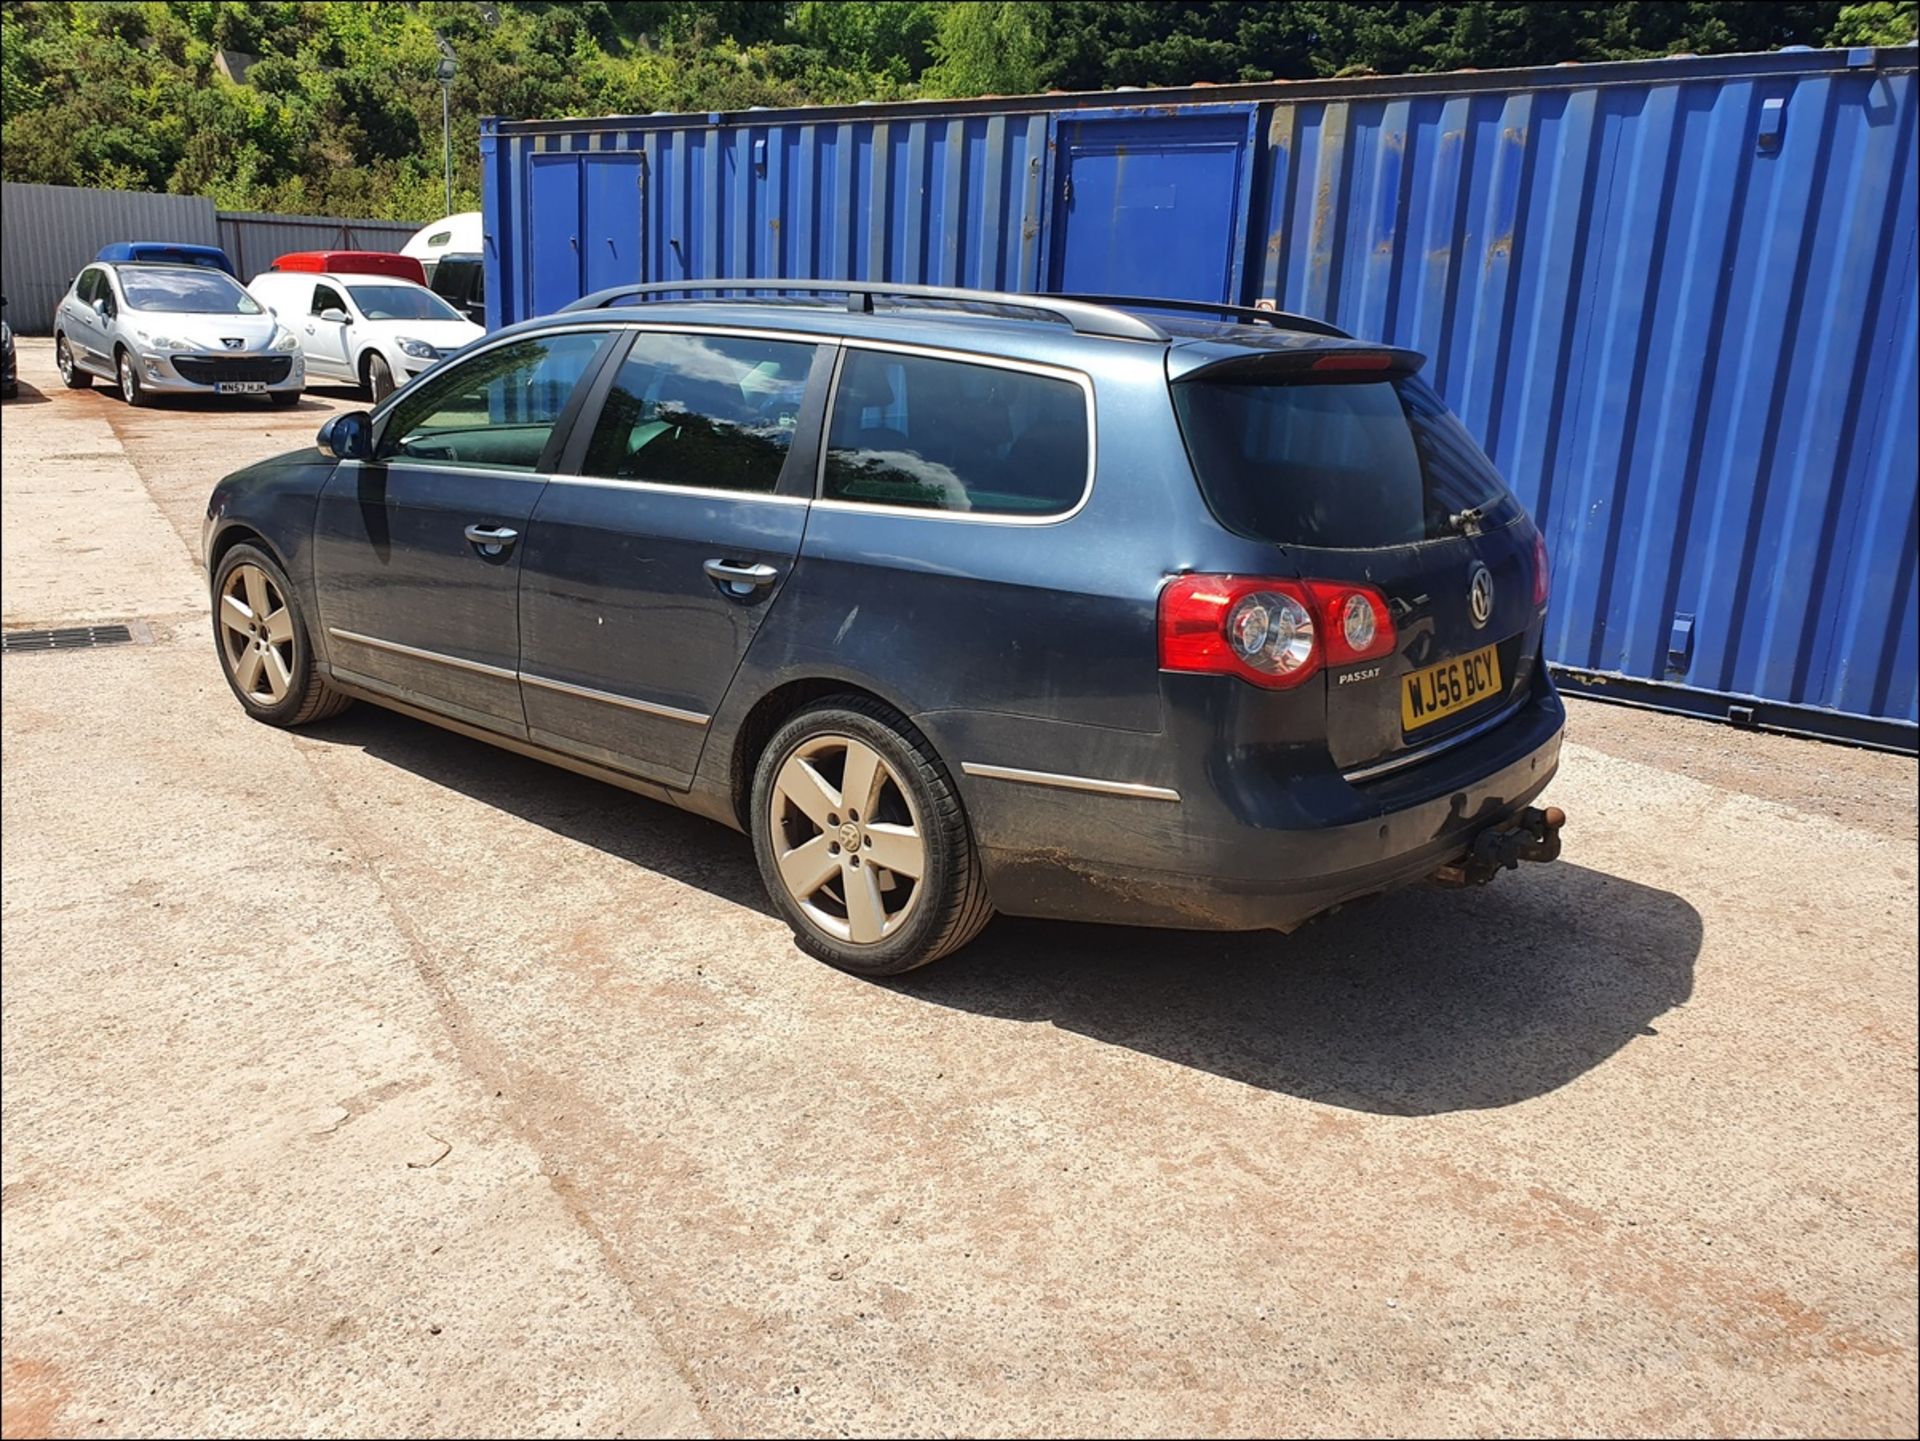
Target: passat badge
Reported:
[(1480, 595)]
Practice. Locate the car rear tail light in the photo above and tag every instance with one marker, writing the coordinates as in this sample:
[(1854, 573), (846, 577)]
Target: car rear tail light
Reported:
[(1274, 633), (1541, 581)]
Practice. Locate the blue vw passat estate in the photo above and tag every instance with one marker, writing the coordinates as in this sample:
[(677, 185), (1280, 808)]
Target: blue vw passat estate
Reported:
[(955, 602)]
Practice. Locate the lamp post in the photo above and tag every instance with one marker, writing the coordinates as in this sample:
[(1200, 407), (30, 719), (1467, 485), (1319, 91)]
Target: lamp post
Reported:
[(445, 72)]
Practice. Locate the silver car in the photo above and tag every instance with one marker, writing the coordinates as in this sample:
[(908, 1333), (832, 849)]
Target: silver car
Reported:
[(173, 329)]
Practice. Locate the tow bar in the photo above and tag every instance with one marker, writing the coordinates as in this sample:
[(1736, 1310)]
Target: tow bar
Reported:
[(1533, 835)]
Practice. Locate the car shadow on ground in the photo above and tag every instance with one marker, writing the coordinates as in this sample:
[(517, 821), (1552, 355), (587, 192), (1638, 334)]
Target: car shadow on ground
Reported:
[(25, 394), (1416, 1004)]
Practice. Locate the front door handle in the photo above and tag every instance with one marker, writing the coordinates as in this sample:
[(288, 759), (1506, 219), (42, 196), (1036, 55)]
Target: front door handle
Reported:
[(492, 539), (740, 579)]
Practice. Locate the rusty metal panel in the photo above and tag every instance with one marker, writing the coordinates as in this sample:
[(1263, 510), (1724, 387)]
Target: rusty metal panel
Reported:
[(48, 232), (1681, 316)]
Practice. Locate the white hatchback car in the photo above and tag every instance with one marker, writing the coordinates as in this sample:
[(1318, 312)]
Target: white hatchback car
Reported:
[(374, 331)]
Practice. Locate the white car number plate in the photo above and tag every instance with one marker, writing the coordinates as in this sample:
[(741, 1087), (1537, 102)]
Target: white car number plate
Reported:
[(239, 387)]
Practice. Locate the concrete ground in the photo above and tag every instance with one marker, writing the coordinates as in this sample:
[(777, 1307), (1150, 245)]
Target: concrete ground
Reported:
[(369, 1080)]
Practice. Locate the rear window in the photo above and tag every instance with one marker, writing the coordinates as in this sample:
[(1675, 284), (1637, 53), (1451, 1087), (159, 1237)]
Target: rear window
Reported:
[(1340, 464), (951, 435)]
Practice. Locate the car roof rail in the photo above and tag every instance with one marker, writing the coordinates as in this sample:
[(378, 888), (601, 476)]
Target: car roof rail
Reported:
[(1282, 319), (1084, 317)]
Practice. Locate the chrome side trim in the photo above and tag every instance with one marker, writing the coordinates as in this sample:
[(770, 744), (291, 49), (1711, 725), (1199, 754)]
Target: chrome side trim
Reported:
[(433, 655), (1131, 789), (961, 357), (1437, 748), (608, 697), (658, 487)]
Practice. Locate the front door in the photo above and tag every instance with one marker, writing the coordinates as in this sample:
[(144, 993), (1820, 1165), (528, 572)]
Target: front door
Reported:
[(417, 552), (657, 551), (326, 340)]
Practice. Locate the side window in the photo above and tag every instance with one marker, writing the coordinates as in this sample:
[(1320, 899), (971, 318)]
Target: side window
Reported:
[(103, 290), (497, 409), (326, 298), (83, 288), (710, 410), (955, 436)]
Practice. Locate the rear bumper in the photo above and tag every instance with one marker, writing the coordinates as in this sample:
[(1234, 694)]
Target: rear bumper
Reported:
[(1266, 843)]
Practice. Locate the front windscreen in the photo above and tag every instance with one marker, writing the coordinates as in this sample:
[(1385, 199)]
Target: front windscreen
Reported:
[(401, 302), (184, 291), (1344, 464)]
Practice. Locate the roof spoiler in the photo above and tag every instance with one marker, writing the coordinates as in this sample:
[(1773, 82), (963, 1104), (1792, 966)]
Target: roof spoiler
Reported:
[(1355, 360)]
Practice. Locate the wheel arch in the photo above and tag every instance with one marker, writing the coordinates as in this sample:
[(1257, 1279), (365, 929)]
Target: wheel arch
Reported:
[(238, 532), (773, 710)]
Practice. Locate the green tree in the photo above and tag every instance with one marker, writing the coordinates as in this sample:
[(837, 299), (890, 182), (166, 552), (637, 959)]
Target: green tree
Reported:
[(989, 48)]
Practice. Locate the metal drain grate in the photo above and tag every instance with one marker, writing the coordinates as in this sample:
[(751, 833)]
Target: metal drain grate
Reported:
[(73, 637)]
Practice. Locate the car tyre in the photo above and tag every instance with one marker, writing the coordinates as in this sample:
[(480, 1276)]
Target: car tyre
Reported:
[(379, 378), (266, 652), (71, 375), (843, 789), (285, 399), (131, 390)]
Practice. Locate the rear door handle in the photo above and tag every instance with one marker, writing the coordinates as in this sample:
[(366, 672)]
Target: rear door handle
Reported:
[(492, 539), (738, 579)]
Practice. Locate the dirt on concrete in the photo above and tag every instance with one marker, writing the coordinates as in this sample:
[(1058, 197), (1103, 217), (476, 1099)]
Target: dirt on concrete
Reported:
[(372, 1080)]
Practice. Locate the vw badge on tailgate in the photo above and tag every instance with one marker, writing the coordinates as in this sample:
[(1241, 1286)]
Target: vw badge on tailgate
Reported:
[(1480, 595)]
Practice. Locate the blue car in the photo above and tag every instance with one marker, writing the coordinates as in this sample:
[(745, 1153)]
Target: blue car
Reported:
[(955, 602)]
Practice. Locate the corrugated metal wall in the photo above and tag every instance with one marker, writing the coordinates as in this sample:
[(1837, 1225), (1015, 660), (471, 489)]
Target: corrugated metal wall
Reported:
[(254, 238), (47, 232), (1674, 299)]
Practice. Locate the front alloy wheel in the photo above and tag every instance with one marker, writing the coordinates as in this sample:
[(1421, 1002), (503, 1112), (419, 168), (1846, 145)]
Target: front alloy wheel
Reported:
[(256, 633), (131, 390), (265, 651)]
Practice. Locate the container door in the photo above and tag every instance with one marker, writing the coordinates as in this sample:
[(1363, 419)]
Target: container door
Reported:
[(1153, 205), (555, 232), (612, 237)]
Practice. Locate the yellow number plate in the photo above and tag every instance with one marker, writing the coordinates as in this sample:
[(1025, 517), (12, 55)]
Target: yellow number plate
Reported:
[(1448, 688)]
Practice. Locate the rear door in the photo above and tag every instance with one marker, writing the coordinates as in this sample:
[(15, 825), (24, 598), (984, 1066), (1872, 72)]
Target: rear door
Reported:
[(87, 333), (417, 552), (668, 533)]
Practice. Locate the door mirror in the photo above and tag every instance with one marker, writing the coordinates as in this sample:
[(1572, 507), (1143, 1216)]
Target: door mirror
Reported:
[(347, 437), (335, 314), (100, 308)]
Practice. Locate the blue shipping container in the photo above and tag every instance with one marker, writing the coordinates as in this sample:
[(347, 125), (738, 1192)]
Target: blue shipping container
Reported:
[(1675, 300)]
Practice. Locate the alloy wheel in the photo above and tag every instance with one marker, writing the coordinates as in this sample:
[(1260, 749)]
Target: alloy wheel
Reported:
[(256, 635), (846, 838), (63, 357), (127, 382)]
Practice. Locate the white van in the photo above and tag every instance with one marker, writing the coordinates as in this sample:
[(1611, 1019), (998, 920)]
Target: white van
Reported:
[(374, 331)]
